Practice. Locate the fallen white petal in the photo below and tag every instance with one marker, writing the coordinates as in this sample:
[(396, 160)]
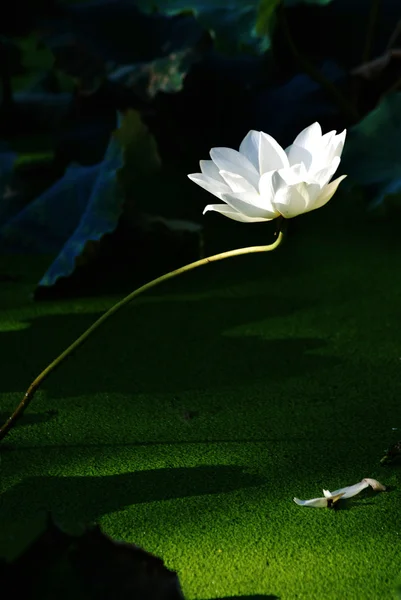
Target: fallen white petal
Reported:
[(343, 493), (316, 502), (325, 502), (375, 485), (352, 490)]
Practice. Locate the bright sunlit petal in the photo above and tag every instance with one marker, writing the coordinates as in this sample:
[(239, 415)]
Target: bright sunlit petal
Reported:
[(262, 181)]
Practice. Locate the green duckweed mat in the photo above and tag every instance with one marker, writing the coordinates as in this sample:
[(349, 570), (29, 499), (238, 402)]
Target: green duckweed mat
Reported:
[(191, 420)]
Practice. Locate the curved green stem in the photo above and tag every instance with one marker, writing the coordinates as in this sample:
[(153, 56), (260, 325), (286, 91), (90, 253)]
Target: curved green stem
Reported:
[(79, 341)]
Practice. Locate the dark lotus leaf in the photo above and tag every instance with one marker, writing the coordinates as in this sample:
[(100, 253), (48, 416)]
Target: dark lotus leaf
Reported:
[(77, 60), (31, 574), (377, 67), (392, 453), (295, 2), (333, 30), (387, 200), (7, 160), (82, 206), (266, 16), (35, 113), (47, 223), (116, 31), (286, 109), (28, 60), (21, 16), (233, 25), (161, 75), (112, 569), (372, 153), (91, 566), (36, 61), (113, 38), (43, 111), (376, 78)]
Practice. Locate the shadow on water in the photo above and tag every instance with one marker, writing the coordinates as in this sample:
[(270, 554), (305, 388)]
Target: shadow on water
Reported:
[(89, 498), (31, 418), (161, 347), (257, 597)]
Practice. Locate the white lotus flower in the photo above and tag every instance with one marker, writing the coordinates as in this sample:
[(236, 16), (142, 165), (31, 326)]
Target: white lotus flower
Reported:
[(348, 492), (262, 181)]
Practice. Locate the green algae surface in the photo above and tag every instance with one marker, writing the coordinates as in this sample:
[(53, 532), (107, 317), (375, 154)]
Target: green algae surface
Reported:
[(189, 422)]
